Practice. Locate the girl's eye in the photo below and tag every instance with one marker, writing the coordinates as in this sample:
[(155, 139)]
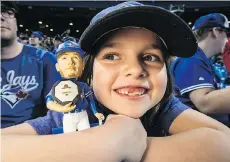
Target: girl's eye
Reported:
[(151, 58), (111, 57), (63, 58)]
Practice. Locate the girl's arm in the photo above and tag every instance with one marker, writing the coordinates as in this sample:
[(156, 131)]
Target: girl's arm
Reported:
[(117, 140), (197, 145), (195, 138), (192, 119)]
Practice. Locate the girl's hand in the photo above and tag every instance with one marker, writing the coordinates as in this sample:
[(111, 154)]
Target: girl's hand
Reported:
[(59, 108), (133, 137)]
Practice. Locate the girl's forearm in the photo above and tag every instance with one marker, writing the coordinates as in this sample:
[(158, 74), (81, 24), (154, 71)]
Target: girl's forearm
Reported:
[(198, 145)]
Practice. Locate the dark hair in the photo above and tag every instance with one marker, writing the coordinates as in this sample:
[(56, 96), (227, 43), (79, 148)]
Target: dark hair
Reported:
[(10, 5), (149, 117)]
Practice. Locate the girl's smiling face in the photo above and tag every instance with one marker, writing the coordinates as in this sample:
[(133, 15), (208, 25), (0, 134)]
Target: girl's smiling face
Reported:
[(129, 72)]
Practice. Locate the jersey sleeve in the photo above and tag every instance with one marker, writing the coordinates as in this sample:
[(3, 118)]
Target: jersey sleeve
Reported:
[(49, 96), (171, 110), (44, 125), (191, 74)]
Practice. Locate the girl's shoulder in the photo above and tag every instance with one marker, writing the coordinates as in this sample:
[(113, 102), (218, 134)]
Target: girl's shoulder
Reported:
[(173, 103)]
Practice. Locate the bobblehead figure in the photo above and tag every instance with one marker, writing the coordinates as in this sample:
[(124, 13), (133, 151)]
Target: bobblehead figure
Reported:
[(69, 95)]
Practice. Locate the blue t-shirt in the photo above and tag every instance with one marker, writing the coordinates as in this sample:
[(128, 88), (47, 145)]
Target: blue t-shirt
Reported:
[(163, 119), (32, 71), (85, 99), (194, 73)]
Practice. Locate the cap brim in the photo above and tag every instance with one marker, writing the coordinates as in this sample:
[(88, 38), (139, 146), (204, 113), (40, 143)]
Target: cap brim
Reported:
[(172, 29)]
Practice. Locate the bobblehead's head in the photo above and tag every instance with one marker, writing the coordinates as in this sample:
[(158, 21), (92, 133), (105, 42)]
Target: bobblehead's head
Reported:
[(69, 60)]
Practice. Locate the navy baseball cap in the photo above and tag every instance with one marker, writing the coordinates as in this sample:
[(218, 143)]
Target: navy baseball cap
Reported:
[(175, 33), (37, 34), (70, 46), (211, 21)]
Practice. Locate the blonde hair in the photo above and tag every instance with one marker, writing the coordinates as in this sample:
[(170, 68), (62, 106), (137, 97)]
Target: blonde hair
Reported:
[(201, 34)]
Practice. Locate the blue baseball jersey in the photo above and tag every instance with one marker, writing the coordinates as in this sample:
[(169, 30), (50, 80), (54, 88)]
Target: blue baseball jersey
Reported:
[(85, 99), (194, 73), (25, 81), (163, 119)]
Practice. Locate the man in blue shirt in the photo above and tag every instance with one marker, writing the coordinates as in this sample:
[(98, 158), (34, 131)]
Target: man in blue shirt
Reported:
[(194, 76), (27, 73)]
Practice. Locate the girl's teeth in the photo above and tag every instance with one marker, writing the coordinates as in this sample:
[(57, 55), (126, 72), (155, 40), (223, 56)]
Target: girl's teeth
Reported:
[(124, 91)]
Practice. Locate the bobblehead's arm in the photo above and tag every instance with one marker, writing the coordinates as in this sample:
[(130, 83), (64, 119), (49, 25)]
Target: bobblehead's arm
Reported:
[(52, 105)]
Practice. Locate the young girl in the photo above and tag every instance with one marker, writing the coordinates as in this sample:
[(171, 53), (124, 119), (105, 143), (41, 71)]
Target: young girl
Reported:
[(127, 68)]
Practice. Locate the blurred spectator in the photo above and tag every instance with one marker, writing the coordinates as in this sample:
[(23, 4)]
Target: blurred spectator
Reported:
[(66, 33), (36, 40), (48, 43), (44, 36), (226, 55), (56, 41), (24, 40), (220, 71), (27, 73), (194, 76)]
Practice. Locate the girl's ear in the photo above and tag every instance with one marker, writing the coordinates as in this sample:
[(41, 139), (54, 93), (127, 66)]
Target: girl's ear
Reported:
[(57, 67)]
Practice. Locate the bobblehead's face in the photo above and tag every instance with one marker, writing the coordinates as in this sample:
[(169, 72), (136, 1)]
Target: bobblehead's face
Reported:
[(70, 65), (129, 72)]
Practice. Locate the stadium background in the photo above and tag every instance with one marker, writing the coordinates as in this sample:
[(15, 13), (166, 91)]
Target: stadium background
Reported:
[(54, 17)]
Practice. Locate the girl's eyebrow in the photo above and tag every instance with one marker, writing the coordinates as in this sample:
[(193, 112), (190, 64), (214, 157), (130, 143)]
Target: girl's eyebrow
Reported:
[(112, 45), (153, 46)]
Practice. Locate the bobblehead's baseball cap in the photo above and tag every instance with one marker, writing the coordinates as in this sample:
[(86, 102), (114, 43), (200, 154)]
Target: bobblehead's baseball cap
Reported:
[(37, 34), (70, 46), (211, 21), (175, 33)]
